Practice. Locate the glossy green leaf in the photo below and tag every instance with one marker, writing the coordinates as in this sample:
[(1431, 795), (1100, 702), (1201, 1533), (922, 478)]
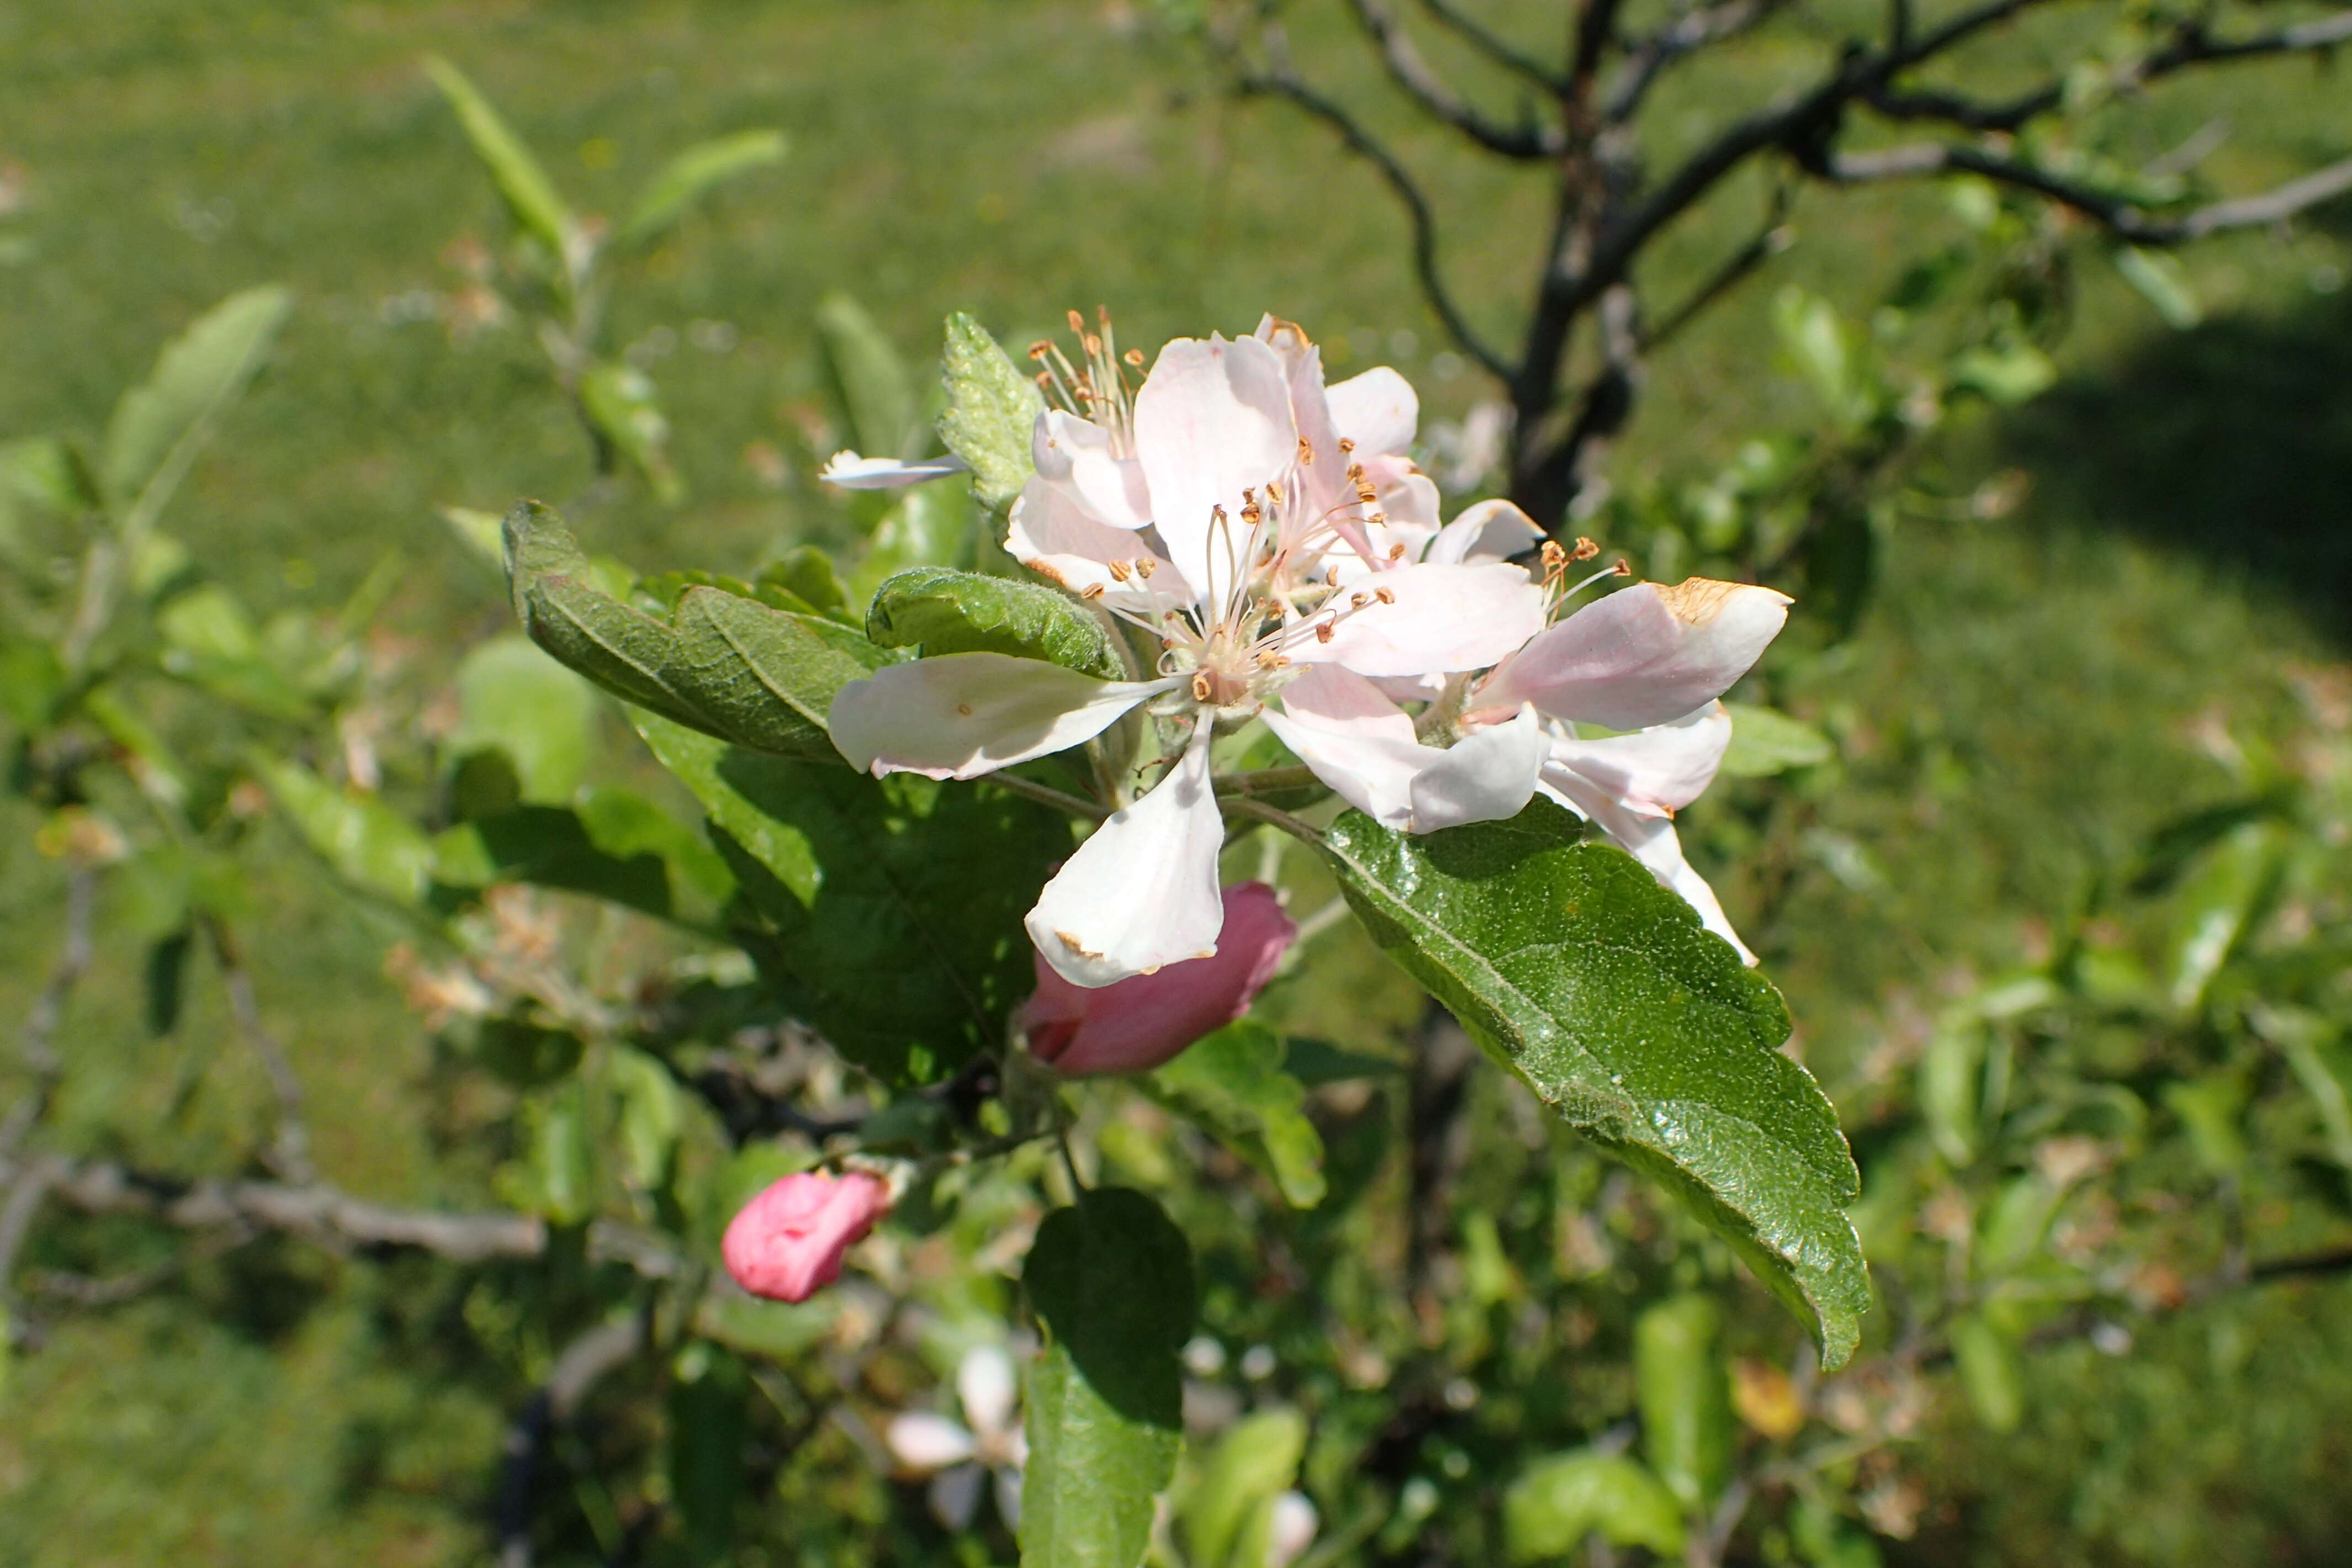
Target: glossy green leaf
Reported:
[(991, 409), (869, 380), (622, 403), (887, 911), (945, 610), (530, 195), (160, 424), (1684, 1391), (726, 666), (367, 842), (1253, 1463), (1111, 1282), (1560, 1501), (514, 699), (694, 174), (1764, 743), (1574, 969), (1233, 1086)]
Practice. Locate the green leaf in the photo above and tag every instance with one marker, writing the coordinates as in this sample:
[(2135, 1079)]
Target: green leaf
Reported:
[(869, 380), (1764, 742), (479, 533), (1254, 1463), (549, 846), (161, 424), (1111, 1280), (45, 475), (1560, 1501), (1684, 1391), (929, 526), (2005, 374), (991, 409), (513, 698), (1987, 1360), (652, 1115), (367, 842), (762, 678), (211, 642), (161, 978), (530, 195), (1575, 970), (2219, 905), (946, 611), (695, 174), (2163, 282), (621, 403), (807, 574), (887, 911), (1232, 1084)]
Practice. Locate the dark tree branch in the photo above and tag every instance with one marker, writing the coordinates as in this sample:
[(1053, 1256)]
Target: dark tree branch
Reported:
[(584, 1362), (1495, 47), (1529, 140), (289, 1153), (1278, 79), (2117, 216), (39, 1046), (1647, 58), (1771, 240)]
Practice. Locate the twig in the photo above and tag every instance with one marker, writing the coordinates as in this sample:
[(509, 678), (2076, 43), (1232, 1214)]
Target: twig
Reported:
[(1771, 240), (1077, 806), (1647, 60), (1527, 141), (31, 1186), (1243, 807), (583, 1363), (1321, 921), (39, 1046), (290, 1156), (1493, 46)]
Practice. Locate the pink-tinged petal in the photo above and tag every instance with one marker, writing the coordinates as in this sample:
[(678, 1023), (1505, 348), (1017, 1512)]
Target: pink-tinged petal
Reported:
[(987, 1387), (1437, 619), (1338, 701), (921, 1441), (1075, 454), (1642, 657), (1652, 841), (1146, 1020), (1362, 746), (1657, 771), (1486, 777), (965, 714), (853, 472), (1141, 894), (1379, 411), (788, 1241), (1053, 535), (1212, 420), (1491, 530)]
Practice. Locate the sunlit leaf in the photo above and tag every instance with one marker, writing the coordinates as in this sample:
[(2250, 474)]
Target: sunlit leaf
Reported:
[(514, 699), (622, 403), (870, 380), (945, 610), (695, 174), (1765, 742), (1232, 1084), (1560, 1501), (1684, 1386), (160, 424), (366, 841), (530, 195), (1254, 1462), (991, 409)]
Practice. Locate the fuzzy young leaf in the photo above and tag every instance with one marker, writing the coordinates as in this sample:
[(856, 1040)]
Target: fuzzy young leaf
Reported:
[(1111, 1279), (1232, 1084), (695, 174), (530, 195), (160, 423), (1576, 971), (887, 911), (947, 611), (991, 409)]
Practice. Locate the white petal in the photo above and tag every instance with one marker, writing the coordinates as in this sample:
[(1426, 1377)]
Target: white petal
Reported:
[(1646, 655), (1486, 777), (1444, 618), (1493, 530), (1362, 746), (1054, 536), (1008, 1496), (1657, 771), (1323, 479), (852, 472), (1075, 454), (1213, 419), (1652, 841), (1294, 1523), (922, 1441), (965, 714), (955, 1495), (987, 1385), (1142, 893), (1378, 410)]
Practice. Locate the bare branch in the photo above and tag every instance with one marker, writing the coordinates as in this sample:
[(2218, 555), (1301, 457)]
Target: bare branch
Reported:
[(1648, 59), (1496, 48), (2118, 216), (39, 1046), (1771, 240), (1279, 81), (290, 1156), (1527, 139)]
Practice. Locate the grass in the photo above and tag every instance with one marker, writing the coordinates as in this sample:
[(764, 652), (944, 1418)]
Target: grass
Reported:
[(2019, 710)]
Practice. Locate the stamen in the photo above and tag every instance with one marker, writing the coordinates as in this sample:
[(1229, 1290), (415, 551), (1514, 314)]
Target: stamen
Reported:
[(1306, 452), (1347, 444), (1078, 322), (1396, 552), (1200, 686), (1358, 601), (1134, 357), (1146, 566), (1585, 549), (1091, 590), (1120, 571), (1323, 629), (1385, 595)]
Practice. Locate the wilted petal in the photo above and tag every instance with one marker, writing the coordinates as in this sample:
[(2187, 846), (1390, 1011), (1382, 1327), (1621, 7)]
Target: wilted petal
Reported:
[(1379, 411), (1147, 1019), (1212, 420), (965, 714), (921, 1441), (1441, 619), (986, 1384), (954, 1495), (1075, 454), (1657, 771), (1652, 841), (1646, 655), (1362, 746), (1141, 893), (853, 472), (1493, 530), (1056, 538)]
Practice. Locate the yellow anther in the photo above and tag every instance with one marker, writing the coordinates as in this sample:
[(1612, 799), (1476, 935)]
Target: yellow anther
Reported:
[(1078, 322), (1145, 567), (1347, 444), (1120, 571), (1201, 688), (1091, 590), (1306, 451), (1396, 552), (1323, 630), (1385, 595), (1358, 601)]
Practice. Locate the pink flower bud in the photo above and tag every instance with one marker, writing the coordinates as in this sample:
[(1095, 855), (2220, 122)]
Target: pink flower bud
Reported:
[(789, 1240), (1142, 1021)]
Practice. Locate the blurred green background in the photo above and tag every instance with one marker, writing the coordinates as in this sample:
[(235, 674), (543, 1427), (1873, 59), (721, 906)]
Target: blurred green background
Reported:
[(2032, 694)]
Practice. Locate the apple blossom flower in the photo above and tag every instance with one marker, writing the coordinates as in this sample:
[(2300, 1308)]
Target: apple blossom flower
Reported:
[(958, 1456), (1145, 1020), (1223, 508), (1647, 663), (788, 1242), (852, 472)]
